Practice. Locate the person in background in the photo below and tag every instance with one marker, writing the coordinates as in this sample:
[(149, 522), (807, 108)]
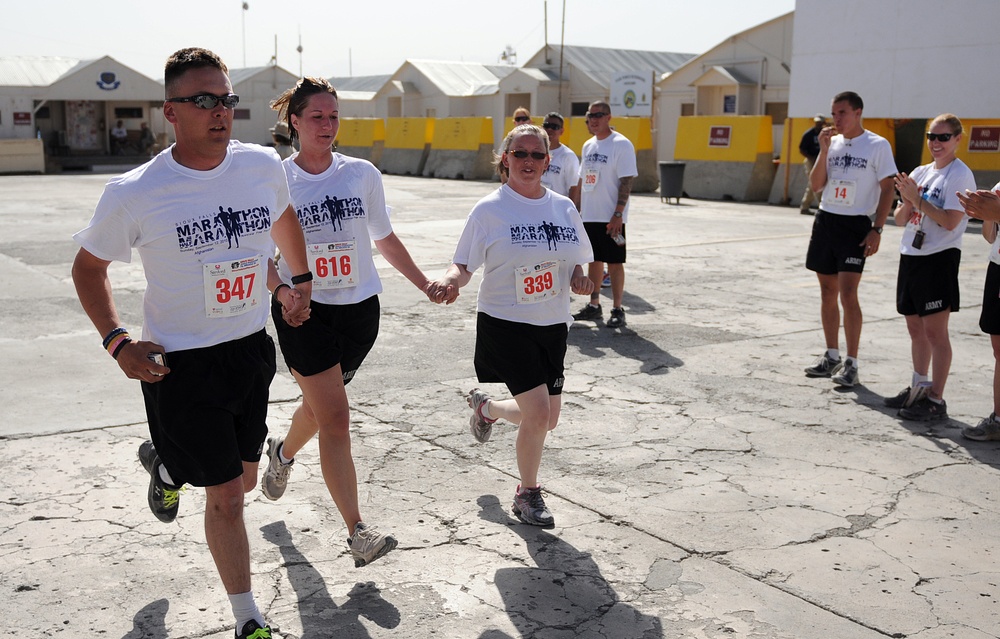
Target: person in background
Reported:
[(526, 231), (607, 170), (985, 205), (146, 139), (927, 290), (854, 171), (809, 148), (119, 138), (563, 172), (341, 206), (205, 360)]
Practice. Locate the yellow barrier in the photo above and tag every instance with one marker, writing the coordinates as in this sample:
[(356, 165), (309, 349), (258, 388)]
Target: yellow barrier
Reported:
[(639, 132), (408, 133), (361, 132), (731, 138), (461, 134)]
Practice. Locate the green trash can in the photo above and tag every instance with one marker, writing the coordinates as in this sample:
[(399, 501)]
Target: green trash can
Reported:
[(671, 181)]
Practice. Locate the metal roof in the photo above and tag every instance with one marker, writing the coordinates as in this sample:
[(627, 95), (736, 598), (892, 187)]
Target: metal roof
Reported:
[(34, 71), (460, 79), (361, 83), (601, 64)]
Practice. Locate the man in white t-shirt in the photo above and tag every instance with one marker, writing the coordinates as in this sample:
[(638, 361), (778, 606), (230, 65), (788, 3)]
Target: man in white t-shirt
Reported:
[(607, 170), (204, 217), (119, 138), (854, 171), (563, 173)]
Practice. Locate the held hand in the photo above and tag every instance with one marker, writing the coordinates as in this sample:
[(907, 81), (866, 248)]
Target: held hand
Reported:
[(295, 308), (982, 204), (582, 285), (134, 361), (871, 243), (435, 291)]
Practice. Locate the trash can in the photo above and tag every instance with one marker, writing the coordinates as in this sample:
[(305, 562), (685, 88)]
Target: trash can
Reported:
[(671, 181)]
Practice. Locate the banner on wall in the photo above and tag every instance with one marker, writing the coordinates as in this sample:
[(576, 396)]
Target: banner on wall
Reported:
[(632, 93)]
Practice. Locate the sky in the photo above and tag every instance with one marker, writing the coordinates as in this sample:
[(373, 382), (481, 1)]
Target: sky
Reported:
[(371, 37)]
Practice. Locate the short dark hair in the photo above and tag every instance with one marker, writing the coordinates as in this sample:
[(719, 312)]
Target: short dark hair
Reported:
[(187, 59), (552, 115), (851, 98)]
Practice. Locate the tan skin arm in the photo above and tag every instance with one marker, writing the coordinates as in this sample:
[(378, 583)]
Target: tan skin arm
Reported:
[(395, 253), (93, 287), (624, 191), (287, 234), (909, 191)]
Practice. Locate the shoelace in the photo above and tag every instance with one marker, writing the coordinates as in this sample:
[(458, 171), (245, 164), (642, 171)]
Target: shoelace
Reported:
[(171, 497), (260, 633)]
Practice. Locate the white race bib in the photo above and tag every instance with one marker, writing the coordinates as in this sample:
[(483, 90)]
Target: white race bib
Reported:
[(537, 283), (333, 264), (843, 192), (233, 287), (590, 179)]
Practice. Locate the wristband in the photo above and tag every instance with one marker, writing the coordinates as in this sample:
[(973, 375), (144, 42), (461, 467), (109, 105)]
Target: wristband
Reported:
[(121, 345), (302, 279), (113, 334), (278, 288)]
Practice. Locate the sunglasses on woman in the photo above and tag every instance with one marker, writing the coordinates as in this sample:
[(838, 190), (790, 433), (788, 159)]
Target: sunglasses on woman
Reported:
[(208, 101), (522, 118), (535, 155), (943, 137)]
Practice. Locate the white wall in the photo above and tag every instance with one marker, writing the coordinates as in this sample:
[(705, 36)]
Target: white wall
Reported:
[(906, 58)]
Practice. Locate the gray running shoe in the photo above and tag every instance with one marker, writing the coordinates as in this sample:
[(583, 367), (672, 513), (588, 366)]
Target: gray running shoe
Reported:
[(530, 508), (368, 544), (848, 377), (163, 499), (925, 410), (906, 397), (481, 427), (276, 475), (824, 367), (589, 312), (987, 430), (617, 319)]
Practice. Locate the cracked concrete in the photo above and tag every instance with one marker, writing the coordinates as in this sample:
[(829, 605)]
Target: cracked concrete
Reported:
[(702, 486)]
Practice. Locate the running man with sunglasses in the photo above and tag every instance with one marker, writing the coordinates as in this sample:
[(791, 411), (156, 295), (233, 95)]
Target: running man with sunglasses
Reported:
[(563, 174), (531, 245), (854, 171), (205, 307), (607, 170)]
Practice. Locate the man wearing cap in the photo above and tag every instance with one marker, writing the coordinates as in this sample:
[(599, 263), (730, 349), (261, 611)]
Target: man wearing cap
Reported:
[(809, 148)]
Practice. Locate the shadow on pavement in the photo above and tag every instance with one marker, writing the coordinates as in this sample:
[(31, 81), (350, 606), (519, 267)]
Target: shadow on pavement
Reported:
[(149, 622), (945, 433), (565, 592), (320, 615)]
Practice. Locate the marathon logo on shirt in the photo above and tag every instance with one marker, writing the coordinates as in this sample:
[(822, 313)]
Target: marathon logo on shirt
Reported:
[(227, 226), (330, 211), (529, 235), (848, 161), (553, 169), (596, 158)]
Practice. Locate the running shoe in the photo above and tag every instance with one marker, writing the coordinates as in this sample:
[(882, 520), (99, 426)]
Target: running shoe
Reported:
[(987, 430), (606, 282), (848, 376), (164, 499), (368, 544), (480, 426), (589, 312), (530, 508), (252, 630), (906, 397), (925, 410), (825, 366), (276, 476), (617, 319)]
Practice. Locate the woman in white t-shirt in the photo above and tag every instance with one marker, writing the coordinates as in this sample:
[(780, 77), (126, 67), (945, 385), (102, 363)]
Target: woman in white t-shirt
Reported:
[(340, 204), (531, 245), (927, 289), (985, 205)]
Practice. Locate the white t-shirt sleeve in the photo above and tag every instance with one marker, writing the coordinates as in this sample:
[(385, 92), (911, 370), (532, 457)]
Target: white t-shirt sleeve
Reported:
[(111, 233)]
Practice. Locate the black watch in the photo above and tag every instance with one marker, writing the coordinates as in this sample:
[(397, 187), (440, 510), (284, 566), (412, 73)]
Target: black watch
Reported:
[(877, 229), (617, 214)]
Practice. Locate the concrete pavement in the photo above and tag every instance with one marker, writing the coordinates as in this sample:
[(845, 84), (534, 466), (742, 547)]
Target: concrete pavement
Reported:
[(702, 486)]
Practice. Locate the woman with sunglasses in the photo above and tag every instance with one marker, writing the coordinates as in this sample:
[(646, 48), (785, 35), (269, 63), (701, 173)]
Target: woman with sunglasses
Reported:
[(931, 248), (531, 244), (340, 203)]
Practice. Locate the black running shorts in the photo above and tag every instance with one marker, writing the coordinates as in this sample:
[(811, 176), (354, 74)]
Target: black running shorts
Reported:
[(522, 356)]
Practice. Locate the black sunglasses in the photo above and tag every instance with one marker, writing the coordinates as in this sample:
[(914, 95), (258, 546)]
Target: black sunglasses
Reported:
[(535, 155), (208, 101), (522, 118), (944, 137), (597, 115), (555, 126)]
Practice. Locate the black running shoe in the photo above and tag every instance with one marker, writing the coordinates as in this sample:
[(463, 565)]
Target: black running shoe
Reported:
[(163, 498)]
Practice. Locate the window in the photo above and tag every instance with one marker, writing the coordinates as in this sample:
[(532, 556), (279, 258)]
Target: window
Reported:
[(42, 113), (241, 114), (579, 109), (687, 108), (777, 110), (128, 113)]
